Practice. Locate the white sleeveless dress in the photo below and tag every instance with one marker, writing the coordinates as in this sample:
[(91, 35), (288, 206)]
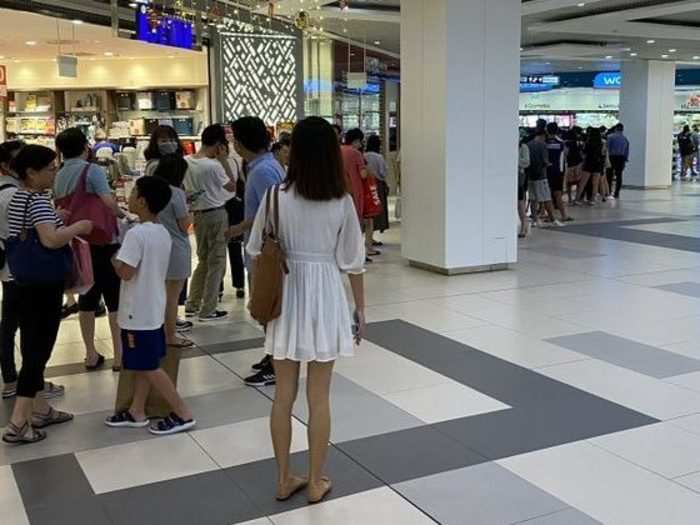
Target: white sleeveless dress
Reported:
[(323, 240)]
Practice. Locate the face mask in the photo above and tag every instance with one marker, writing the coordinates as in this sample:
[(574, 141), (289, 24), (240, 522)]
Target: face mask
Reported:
[(167, 148)]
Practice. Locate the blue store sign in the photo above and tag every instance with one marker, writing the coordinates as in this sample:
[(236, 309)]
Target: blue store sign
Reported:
[(608, 80)]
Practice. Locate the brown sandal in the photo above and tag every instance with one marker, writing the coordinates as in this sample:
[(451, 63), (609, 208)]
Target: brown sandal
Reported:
[(52, 417), (329, 487), (23, 435)]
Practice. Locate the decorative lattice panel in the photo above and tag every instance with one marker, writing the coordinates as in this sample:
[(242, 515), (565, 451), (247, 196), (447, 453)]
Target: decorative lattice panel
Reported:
[(260, 76)]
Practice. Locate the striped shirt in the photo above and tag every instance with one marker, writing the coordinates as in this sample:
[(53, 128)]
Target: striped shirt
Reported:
[(39, 210)]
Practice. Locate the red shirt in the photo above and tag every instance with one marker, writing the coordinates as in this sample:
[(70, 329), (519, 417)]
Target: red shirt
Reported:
[(354, 163)]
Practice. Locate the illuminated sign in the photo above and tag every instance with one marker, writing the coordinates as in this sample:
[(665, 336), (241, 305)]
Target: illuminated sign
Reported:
[(608, 80), (160, 28), (535, 83)]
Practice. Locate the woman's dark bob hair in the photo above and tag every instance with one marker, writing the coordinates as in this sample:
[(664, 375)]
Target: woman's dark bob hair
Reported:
[(315, 163)]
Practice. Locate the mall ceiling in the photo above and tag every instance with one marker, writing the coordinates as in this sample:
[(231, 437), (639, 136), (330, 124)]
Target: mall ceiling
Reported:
[(558, 35)]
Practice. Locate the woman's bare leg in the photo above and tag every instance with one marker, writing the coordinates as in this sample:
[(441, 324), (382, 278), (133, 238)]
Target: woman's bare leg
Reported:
[(318, 395)]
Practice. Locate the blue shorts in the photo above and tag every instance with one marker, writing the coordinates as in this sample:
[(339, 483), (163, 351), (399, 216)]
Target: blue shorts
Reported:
[(143, 349)]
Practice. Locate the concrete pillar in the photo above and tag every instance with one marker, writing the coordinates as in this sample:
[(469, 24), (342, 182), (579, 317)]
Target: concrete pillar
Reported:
[(460, 67), (646, 110)]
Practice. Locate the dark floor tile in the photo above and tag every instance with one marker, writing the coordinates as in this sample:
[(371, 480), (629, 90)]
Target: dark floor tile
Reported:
[(228, 406), (76, 511), (49, 482), (258, 480), (205, 499), (410, 454), (233, 346)]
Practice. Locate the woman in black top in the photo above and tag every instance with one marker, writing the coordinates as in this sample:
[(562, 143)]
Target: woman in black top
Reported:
[(687, 150), (593, 164), (574, 158)]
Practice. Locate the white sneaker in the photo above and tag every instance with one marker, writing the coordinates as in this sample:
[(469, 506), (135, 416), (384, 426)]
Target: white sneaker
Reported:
[(556, 224)]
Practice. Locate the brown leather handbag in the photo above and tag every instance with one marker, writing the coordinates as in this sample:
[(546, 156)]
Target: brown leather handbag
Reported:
[(270, 267)]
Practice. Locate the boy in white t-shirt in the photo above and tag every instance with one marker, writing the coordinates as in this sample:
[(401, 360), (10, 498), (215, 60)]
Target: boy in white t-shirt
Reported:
[(142, 264)]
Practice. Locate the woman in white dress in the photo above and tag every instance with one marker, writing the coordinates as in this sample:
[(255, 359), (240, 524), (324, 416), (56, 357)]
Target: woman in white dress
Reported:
[(320, 232)]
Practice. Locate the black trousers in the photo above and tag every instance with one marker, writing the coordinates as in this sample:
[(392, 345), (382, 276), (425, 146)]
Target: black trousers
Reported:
[(618, 166), (39, 320), (235, 257), (8, 329)]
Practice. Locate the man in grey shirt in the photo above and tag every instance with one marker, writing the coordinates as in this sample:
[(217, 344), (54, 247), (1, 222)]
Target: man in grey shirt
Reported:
[(538, 185)]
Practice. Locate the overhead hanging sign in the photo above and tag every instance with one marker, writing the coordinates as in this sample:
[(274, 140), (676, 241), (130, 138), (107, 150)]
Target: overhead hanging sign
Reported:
[(156, 27), (67, 66), (535, 83), (608, 80)]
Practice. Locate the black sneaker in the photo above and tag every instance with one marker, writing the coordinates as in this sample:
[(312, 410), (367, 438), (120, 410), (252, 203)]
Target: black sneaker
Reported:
[(265, 361), (190, 313), (67, 311), (265, 377), (183, 326), (240, 293), (216, 316)]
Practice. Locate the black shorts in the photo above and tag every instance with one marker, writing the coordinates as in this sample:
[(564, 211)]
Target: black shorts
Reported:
[(107, 281), (143, 349), (556, 182)]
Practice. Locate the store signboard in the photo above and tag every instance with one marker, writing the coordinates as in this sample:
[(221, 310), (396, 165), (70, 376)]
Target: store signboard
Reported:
[(160, 28), (575, 99), (67, 66), (608, 80), (536, 83), (357, 80), (3, 82)]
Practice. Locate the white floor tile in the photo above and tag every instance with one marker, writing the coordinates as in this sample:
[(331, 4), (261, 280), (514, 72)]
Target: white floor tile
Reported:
[(424, 314), (631, 389), (245, 442), (123, 466), (444, 402), (380, 506), (606, 487), (10, 499), (515, 347), (202, 375), (87, 392), (661, 448)]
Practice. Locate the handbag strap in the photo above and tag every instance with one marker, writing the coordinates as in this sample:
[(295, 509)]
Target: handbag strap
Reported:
[(82, 182), (272, 226)]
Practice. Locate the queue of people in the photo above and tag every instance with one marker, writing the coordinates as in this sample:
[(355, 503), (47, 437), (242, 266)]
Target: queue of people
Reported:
[(584, 165), (141, 260)]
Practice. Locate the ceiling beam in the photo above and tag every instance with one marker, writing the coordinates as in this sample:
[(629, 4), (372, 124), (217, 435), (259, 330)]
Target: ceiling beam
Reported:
[(534, 7), (365, 15)]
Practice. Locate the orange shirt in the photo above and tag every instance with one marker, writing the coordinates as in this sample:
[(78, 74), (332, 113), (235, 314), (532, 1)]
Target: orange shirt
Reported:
[(354, 163)]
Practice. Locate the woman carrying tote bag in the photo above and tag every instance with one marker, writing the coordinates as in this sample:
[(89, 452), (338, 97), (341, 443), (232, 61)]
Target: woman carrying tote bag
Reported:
[(319, 231), (40, 259)]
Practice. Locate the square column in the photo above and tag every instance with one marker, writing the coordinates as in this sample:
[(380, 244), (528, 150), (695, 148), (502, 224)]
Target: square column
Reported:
[(646, 110), (460, 67)]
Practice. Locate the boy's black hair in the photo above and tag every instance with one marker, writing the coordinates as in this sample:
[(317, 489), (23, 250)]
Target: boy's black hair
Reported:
[(214, 135), (353, 135), (71, 143), (155, 191)]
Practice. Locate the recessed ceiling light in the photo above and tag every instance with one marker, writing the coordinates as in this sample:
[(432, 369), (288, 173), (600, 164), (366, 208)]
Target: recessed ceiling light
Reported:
[(664, 56), (672, 50), (377, 42), (171, 57), (109, 54), (17, 61), (581, 4), (608, 57), (2, 57), (651, 41), (580, 67), (696, 57), (633, 54), (77, 21), (31, 42)]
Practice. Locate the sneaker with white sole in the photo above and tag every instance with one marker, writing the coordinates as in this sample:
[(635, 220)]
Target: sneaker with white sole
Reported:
[(183, 326), (265, 377), (216, 316), (171, 425), (9, 390)]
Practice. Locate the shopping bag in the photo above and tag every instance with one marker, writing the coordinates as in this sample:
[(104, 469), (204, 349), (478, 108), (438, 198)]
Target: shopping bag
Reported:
[(372, 201), (156, 406), (82, 278)]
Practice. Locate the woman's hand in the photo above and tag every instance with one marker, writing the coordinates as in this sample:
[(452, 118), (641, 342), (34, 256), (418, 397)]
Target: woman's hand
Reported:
[(360, 326)]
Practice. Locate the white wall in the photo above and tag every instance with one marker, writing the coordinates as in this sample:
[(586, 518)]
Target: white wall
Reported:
[(646, 109), (460, 72)]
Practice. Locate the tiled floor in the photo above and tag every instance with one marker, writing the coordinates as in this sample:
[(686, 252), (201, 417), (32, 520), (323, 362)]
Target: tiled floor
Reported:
[(565, 391)]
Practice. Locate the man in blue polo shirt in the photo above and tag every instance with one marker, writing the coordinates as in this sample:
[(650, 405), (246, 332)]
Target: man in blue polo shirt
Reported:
[(252, 143)]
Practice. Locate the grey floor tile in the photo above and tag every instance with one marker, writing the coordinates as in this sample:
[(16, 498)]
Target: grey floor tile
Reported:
[(410, 454), (487, 493), (629, 354), (691, 289), (258, 480), (233, 346), (564, 517), (206, 499), (77, 511), (508, 433), (356, 412), (562, 251), (50, 481), (228, 407), (212, 334)]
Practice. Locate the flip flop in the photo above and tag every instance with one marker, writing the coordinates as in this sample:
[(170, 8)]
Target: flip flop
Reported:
[(186, 343), (329, 487), (98, 364), (300, 485)]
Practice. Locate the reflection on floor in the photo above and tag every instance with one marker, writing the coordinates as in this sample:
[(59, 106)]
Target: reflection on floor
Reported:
[(565, 391)]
